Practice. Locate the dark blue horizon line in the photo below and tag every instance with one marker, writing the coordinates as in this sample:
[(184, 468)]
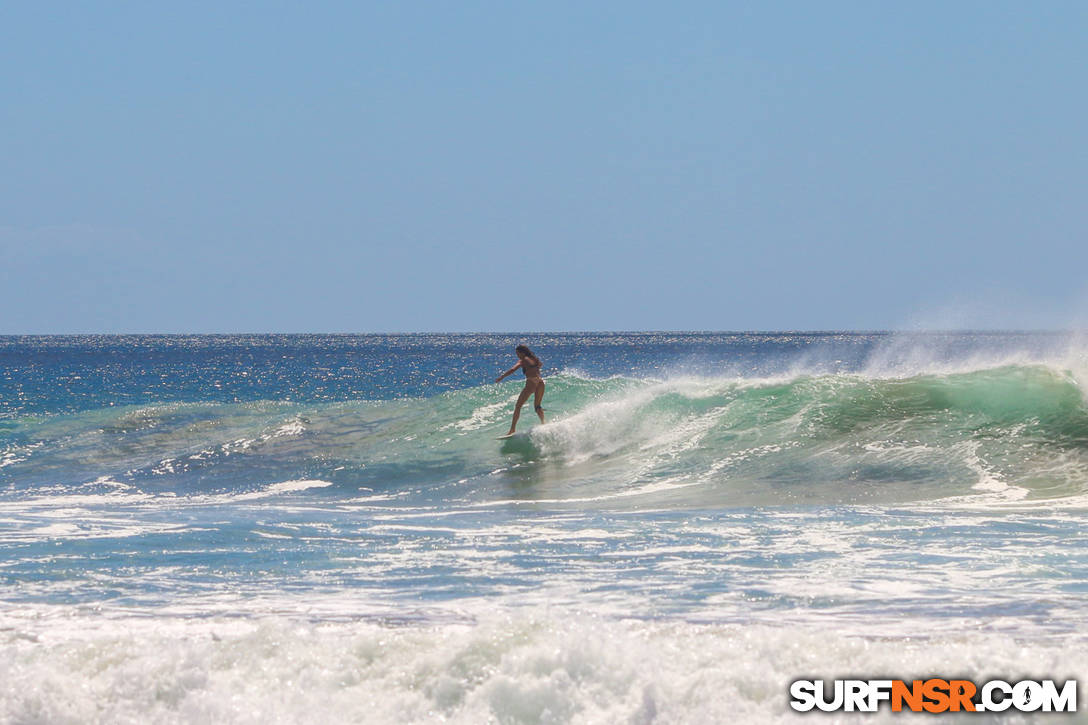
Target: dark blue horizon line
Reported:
[(513, 333)]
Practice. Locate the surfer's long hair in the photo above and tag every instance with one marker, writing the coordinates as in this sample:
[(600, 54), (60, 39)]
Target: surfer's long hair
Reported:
[(524, 350)]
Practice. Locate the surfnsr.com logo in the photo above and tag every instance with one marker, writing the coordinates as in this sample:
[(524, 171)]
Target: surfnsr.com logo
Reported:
[(934, 695)]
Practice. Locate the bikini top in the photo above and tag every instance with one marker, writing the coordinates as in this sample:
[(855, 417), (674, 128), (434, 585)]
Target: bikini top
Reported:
[(531, 370)]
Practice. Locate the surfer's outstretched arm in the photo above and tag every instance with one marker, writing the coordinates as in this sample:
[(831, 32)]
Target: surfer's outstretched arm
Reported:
[(511, 371)]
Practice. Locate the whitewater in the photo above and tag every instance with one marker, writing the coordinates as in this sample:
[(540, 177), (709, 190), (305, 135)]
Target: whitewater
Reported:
[(324, 528)]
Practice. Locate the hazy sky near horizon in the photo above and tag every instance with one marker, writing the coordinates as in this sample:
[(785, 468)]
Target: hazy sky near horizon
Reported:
[(492, 166)]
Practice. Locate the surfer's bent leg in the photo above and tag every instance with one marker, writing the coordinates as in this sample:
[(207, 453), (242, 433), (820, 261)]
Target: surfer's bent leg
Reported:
[(537, 398), (517, 407)]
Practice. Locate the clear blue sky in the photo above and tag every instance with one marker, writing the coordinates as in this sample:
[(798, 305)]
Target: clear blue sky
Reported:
[(447, 166)]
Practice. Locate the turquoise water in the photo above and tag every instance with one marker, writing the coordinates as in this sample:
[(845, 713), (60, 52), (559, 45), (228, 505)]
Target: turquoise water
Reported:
[(305, 528)]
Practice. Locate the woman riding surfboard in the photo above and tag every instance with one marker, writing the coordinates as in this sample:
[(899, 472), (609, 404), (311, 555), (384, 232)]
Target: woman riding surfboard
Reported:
[(530, 364)]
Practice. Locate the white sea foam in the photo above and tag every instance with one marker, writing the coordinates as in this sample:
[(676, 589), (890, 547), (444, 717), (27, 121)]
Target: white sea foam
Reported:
[(505, 666), (619, 421), (483, 416), (121, 512), (13, 454), (280, 488), (293, 427)]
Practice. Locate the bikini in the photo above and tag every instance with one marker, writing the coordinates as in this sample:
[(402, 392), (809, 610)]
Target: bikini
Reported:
[(534, 378)]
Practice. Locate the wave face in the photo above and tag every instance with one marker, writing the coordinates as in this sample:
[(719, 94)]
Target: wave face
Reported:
[(1014, 432), (1020, 431), (188, 524)]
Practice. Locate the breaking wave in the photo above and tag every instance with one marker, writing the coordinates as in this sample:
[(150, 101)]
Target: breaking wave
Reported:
[(1016, 432)]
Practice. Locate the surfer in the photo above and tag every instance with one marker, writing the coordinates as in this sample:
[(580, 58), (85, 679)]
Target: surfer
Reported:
[(534, 384)]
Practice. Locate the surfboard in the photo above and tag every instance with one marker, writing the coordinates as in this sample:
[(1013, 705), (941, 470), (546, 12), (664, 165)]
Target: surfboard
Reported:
[(512, 435)]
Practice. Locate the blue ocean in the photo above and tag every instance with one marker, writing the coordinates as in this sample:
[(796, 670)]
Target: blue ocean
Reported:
[(325, 528)]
